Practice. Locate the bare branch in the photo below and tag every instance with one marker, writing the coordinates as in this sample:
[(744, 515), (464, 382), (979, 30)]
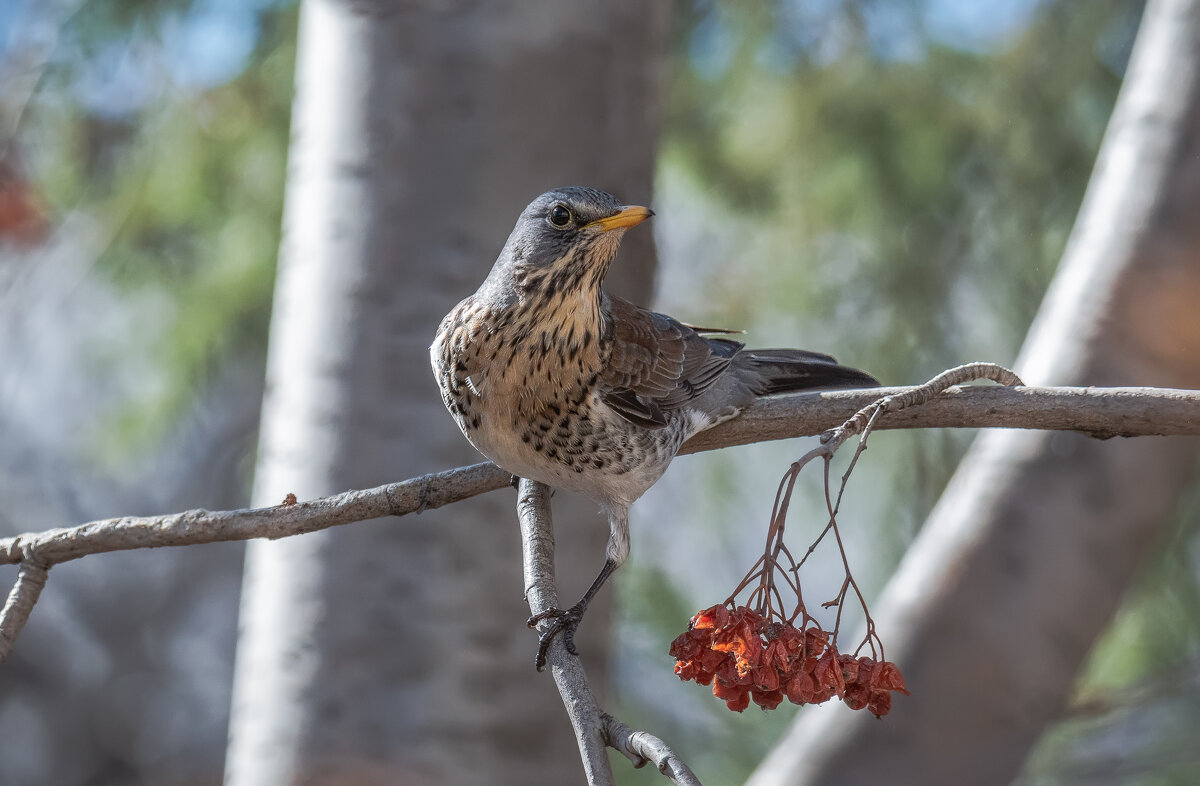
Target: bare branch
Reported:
[(537, 546), (1100, 412), (594, 728), (37, 552), (641, 747), (31, 577), (865, 420), (193, 527)]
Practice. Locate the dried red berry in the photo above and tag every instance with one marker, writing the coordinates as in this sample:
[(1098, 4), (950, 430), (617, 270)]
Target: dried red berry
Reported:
[(857, 696), (715, 617), (744, 656), (889, 678), (800, 687), (880, 704), (768, 700)]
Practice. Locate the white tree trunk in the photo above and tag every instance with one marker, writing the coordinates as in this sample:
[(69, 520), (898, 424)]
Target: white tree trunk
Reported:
[(1022, 563), (398, 654)]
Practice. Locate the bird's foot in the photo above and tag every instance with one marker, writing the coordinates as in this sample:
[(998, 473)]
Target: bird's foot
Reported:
[(563, 621)]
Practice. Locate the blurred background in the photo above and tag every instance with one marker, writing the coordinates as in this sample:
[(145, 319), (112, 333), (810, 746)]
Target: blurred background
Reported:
[(891, 182)]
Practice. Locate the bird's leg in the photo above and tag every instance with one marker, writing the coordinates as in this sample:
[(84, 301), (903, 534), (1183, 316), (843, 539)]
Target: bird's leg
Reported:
[(565, 621)]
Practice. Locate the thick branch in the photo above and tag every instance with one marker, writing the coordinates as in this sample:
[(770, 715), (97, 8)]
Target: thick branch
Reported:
[(1098, 412), (1095, 411)]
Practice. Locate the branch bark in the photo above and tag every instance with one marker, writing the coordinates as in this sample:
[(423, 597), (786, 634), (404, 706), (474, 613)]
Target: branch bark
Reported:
[(594, 728), (31, 578), (1101, 412), (1097, 412)]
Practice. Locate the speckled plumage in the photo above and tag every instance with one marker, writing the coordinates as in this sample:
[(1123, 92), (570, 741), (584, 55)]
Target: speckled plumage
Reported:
[(557, 381)]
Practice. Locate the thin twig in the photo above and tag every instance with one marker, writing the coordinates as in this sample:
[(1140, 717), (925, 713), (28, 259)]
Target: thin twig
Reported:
[(193, 527), (766, 599), (37, 552), (864, 421), (641, 747), (31, 577)]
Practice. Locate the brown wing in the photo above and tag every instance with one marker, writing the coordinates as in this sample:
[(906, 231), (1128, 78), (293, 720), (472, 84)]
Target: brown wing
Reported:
[(658, 364)]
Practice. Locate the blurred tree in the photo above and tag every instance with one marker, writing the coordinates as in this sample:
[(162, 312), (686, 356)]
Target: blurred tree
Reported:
[(385, 653), (132, 336), (1025, 558), (896, 195)]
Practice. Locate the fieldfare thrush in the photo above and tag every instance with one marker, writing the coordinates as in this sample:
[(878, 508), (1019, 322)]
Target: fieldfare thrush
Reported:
[(555, 380)]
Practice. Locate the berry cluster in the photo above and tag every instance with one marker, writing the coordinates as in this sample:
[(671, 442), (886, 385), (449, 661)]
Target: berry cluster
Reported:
[(745, 656)]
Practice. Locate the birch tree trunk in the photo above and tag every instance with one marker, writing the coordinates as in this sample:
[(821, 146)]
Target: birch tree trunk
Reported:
[(398, 654), (1023, 561)]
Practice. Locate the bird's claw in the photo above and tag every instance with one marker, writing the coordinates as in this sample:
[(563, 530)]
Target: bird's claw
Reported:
[(563, 621)]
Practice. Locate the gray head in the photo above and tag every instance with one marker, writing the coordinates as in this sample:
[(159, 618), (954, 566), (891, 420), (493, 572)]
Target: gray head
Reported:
[(564, 239)]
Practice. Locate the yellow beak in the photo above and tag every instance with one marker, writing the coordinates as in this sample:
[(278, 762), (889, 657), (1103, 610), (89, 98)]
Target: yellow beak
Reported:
[(629, 216)]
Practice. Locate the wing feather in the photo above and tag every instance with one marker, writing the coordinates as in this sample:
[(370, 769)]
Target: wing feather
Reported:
[(658, 364)]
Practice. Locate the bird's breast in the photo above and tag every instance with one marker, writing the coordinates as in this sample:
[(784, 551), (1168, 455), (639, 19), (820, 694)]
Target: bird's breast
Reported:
[(524, 389)]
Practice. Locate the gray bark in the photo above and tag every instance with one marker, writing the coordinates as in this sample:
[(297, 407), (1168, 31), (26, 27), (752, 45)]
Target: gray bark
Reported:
[(398, 654), (1022, 563)]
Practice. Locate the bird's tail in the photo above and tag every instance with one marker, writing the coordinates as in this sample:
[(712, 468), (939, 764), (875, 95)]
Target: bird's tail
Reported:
[(789, 370)]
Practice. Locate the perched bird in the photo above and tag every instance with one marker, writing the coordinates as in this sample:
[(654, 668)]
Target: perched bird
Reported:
[(555, 380)]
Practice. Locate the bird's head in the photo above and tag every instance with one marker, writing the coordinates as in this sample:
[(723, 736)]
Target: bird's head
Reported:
[(564, 241)]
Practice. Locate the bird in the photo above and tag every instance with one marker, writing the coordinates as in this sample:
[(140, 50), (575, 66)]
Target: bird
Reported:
[(555, 380)]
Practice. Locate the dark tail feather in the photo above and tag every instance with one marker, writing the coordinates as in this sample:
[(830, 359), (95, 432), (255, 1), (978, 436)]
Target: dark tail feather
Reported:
[(789, 370)]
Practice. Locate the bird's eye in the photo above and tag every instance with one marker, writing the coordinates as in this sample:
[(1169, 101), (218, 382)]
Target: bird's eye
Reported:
[(560, 216)]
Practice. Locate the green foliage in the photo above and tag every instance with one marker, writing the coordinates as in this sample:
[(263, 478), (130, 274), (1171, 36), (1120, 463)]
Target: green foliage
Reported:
[(190, 185), (900, 186)]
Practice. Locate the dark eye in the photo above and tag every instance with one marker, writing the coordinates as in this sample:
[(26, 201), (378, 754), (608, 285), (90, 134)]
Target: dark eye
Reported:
[(560, 216)]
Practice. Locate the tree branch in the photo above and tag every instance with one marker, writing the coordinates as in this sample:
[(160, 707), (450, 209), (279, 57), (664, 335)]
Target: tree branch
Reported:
[(537, 548), (1100, 412), (594, 728), (198, 526), (1097, 412), (641, 747), (31, 577)]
